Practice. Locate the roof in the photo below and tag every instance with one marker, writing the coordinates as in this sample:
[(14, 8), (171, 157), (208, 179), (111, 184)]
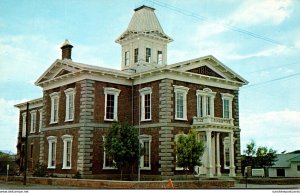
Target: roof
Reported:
[(144, 21), (32, 104), (284, 160), (295, 159)]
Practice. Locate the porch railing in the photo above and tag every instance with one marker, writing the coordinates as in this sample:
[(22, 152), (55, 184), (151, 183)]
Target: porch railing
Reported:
[(212, 120)]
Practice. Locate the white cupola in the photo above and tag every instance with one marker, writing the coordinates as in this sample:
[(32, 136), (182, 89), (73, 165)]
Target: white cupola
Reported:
[(144, 43)]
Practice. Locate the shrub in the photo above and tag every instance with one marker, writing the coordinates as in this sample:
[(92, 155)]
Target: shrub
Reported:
[(40, 170)]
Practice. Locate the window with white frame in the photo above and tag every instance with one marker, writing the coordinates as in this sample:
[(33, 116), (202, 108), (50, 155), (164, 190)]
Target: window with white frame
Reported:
[(227, 105), (176, 140), (127, 58), (205, 102), (159, 57), (24, 125), (226, 152), (146, 103), (108, 161), (40, 120), (180, 102), (111, 103), (148, 55), (32, 121), (70, 93), (54, 107), (67, 152), (52, 140), (145, 161)]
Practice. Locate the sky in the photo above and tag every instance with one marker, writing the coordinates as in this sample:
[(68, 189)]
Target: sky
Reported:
[(257, 39)]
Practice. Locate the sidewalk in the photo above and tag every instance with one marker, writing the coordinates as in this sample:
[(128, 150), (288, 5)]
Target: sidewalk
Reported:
[(266, 186)]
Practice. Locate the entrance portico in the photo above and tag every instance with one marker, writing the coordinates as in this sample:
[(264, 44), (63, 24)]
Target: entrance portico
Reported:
[(213, 127)]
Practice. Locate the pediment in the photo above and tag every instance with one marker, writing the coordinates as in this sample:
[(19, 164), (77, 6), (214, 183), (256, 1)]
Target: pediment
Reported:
[(57, 69), (208, 66)]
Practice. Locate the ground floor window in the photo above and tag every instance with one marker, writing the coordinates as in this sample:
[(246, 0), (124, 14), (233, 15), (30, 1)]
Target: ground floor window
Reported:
[(280, 172), (145, 141), (52, 151), (67, 153), (108, 161)]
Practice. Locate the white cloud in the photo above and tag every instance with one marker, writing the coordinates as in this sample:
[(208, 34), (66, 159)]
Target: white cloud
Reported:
[(279, 130), (258, 12), (9, 116)]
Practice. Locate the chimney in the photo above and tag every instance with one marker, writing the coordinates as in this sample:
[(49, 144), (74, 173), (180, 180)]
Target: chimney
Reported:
[(66, 50)]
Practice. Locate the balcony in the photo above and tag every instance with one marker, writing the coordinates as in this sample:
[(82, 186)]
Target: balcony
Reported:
[(217, 121)]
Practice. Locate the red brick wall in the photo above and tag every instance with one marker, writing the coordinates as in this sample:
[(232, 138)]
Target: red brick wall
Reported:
[(124, 102), (62, 105), (59, 150)]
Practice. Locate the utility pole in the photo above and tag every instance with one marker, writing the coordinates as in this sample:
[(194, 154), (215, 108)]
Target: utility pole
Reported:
[(26, 141)]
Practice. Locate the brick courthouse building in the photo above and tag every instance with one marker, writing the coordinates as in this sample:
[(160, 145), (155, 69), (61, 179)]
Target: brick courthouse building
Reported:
[(68, 124)]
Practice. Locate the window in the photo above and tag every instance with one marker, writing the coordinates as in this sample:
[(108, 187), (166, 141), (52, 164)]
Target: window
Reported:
[(148, 55), (205, 102), (67, 153), (146, 103), (24, 125), (227, 105), (32, 121), (108, 161), (159, 57), (54, 107), (126, 58), (52, 152), (226, 153), (69, 104), (280, 172), (180, 102), (298, 168), (145, 141), (136, 55), (31, 150), (111, 103), (41, 120)]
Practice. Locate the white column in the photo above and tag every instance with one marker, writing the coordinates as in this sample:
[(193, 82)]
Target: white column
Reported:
[(231, 155), (218, 154), (209, 155)]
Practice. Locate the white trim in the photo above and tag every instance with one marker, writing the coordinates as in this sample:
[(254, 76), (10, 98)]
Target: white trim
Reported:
[(115, 92), (23, 125), (142, 139), (66, 139), (181, 90), (32, 121), (206, 94), (229, 97), (54, 96), (69, 92), (143, 92), (104, 167), (51, 139), (40, 119)]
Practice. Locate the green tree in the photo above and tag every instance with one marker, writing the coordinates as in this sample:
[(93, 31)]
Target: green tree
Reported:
[(122, 143), (5, 159), (188, 151), (260, 157)]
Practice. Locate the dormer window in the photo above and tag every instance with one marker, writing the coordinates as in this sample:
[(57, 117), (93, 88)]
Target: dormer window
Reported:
[(159, 57), (148, 55), (126, 58)]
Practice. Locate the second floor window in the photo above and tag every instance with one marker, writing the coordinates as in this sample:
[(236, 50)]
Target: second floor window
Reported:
[(41, 120), (227, 105), (111, 103), (148, 55), (126, 58), (180, 102), (205, 102), (136, 55), (32, 121), (54, 107), (69, 104), (24, 125), (146, 103)]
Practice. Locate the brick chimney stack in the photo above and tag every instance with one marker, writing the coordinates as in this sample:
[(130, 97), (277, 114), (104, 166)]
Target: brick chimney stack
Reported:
[(66, 50)]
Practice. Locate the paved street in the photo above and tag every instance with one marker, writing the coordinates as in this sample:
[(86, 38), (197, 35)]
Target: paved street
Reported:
[(19, 185)]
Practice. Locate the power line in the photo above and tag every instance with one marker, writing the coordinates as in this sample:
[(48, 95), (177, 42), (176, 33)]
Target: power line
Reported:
[(230, 27), (273, 80), (289, 64)]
